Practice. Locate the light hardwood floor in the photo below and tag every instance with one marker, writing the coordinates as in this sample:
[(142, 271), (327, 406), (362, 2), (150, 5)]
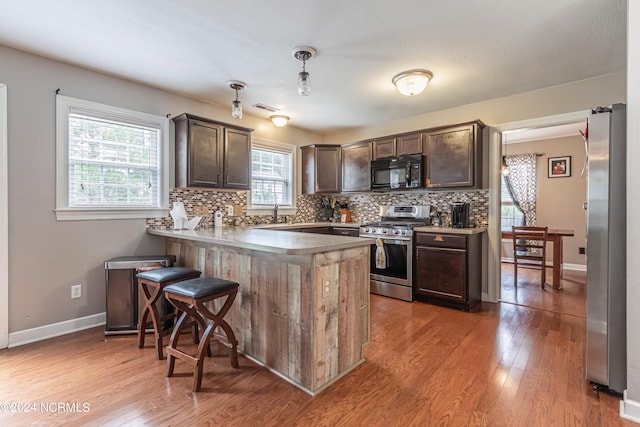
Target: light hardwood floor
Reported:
[(504, 365), (571, 299)]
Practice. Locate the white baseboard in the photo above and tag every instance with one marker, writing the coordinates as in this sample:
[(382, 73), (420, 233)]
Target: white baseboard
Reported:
[(56, 329), (629, 409), (574, 267)]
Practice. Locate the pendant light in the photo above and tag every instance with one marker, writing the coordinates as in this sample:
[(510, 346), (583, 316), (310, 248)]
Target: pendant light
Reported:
[(505, 167), (304, 53), (236, 106)]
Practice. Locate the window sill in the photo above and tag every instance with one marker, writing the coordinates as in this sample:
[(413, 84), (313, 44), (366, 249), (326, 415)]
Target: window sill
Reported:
[(96, 214)]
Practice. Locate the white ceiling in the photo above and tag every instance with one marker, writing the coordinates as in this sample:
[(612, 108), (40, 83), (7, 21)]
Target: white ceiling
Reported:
[(476, 49)]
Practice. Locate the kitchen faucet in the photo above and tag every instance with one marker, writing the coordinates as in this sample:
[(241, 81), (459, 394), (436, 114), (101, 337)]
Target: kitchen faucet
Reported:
[(275, 214)]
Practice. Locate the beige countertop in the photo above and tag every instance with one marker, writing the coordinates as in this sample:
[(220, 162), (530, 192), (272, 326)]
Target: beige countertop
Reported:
[(280, 226), (281, 241), (449, 230)]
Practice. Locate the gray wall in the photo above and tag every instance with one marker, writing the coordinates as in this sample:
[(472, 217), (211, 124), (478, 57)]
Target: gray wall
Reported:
[(568, 98), (47, 256)]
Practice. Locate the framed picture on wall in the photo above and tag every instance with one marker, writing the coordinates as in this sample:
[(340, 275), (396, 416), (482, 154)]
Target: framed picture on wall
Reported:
[(559, 166)]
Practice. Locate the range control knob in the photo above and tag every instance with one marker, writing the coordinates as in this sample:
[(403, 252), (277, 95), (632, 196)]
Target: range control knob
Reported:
[(396, 231), (384, 231), (404, 231)]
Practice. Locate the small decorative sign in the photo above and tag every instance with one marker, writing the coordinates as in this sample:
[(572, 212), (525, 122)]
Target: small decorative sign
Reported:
[(559, 166)]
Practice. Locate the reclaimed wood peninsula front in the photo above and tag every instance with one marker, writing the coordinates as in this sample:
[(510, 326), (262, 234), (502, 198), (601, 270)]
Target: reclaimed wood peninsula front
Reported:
[(302, 309)]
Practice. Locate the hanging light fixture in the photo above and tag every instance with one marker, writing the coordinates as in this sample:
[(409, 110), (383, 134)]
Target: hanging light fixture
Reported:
[(505, 167), (236, 106), (412, 82), (279, 120), (304, 53)]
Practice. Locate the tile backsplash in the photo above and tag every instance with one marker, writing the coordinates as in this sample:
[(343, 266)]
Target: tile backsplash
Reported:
[(363, 206)]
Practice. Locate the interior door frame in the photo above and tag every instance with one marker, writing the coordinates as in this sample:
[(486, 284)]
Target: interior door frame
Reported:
[(495, 139), (4, 222)]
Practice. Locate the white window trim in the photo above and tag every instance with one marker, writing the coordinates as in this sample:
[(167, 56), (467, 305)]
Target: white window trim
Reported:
[(65, 105), (281, 146)]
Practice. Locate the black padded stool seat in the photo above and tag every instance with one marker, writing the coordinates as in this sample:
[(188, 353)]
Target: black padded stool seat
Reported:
[(201, 287), (190, 297), (151, 284), (169, 274)]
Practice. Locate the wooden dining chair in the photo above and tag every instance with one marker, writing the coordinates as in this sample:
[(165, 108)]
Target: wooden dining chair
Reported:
[(529, 250)]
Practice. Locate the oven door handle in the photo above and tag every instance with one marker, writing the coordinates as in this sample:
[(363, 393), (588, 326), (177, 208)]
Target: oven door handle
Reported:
[(406, 242)]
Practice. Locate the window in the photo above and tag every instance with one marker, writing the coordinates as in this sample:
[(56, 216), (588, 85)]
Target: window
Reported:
[(111, 162), (272, 175), (509, 214)]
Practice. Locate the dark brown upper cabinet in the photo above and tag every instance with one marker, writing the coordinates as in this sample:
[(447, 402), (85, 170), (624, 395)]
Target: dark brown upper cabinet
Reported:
[(211, 154), (397, 145), (356, 167), (453, 156), (384, 147), (321, 169), (237, 159), (409, 144)]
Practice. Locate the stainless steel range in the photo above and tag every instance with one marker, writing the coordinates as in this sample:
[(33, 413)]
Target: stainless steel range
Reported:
[(393, 277)]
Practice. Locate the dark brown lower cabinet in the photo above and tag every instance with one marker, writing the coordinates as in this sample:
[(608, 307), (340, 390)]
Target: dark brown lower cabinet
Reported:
[(345, 231), (337, 231), (448, 269)]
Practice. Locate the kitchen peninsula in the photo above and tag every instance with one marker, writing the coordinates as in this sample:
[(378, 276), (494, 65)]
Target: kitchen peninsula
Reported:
[(302, 309)]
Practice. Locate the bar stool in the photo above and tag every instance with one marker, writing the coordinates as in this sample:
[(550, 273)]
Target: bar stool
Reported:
[(190, 297), (151, 284)]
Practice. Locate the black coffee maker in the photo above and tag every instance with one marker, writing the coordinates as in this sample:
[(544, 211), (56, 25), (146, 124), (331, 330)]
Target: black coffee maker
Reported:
[(460, 215)]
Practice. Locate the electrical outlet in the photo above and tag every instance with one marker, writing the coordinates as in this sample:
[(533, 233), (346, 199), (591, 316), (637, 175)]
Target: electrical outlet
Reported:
[(229, 210), (76, 291)]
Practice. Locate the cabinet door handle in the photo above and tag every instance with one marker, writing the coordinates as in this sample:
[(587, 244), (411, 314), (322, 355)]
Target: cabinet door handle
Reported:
[(218, 177)]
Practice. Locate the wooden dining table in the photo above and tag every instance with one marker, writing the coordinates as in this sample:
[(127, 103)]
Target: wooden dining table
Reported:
[(555, 236)]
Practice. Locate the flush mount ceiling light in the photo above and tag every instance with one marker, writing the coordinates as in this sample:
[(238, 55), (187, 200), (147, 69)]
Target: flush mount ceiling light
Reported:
[(412, 82), (279, 120), (304, 53), (236, 106)]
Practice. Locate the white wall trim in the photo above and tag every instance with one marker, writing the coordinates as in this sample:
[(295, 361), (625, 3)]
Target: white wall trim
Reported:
[(494, 281), (4, 222), (56, 329), (629, 409)]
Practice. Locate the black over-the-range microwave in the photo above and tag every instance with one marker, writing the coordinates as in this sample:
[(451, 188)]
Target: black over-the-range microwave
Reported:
[(397, 173)]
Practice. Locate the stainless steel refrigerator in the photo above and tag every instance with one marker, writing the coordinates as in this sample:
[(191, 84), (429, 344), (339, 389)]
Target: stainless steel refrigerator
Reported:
[(606, 348)]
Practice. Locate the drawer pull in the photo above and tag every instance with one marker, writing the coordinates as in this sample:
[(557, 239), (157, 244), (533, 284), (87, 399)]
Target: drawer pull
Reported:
[(438, 238)]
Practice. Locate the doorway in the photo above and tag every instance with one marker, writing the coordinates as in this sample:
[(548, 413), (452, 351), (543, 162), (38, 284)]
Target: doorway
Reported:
[(545, 137), (559, 205)]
